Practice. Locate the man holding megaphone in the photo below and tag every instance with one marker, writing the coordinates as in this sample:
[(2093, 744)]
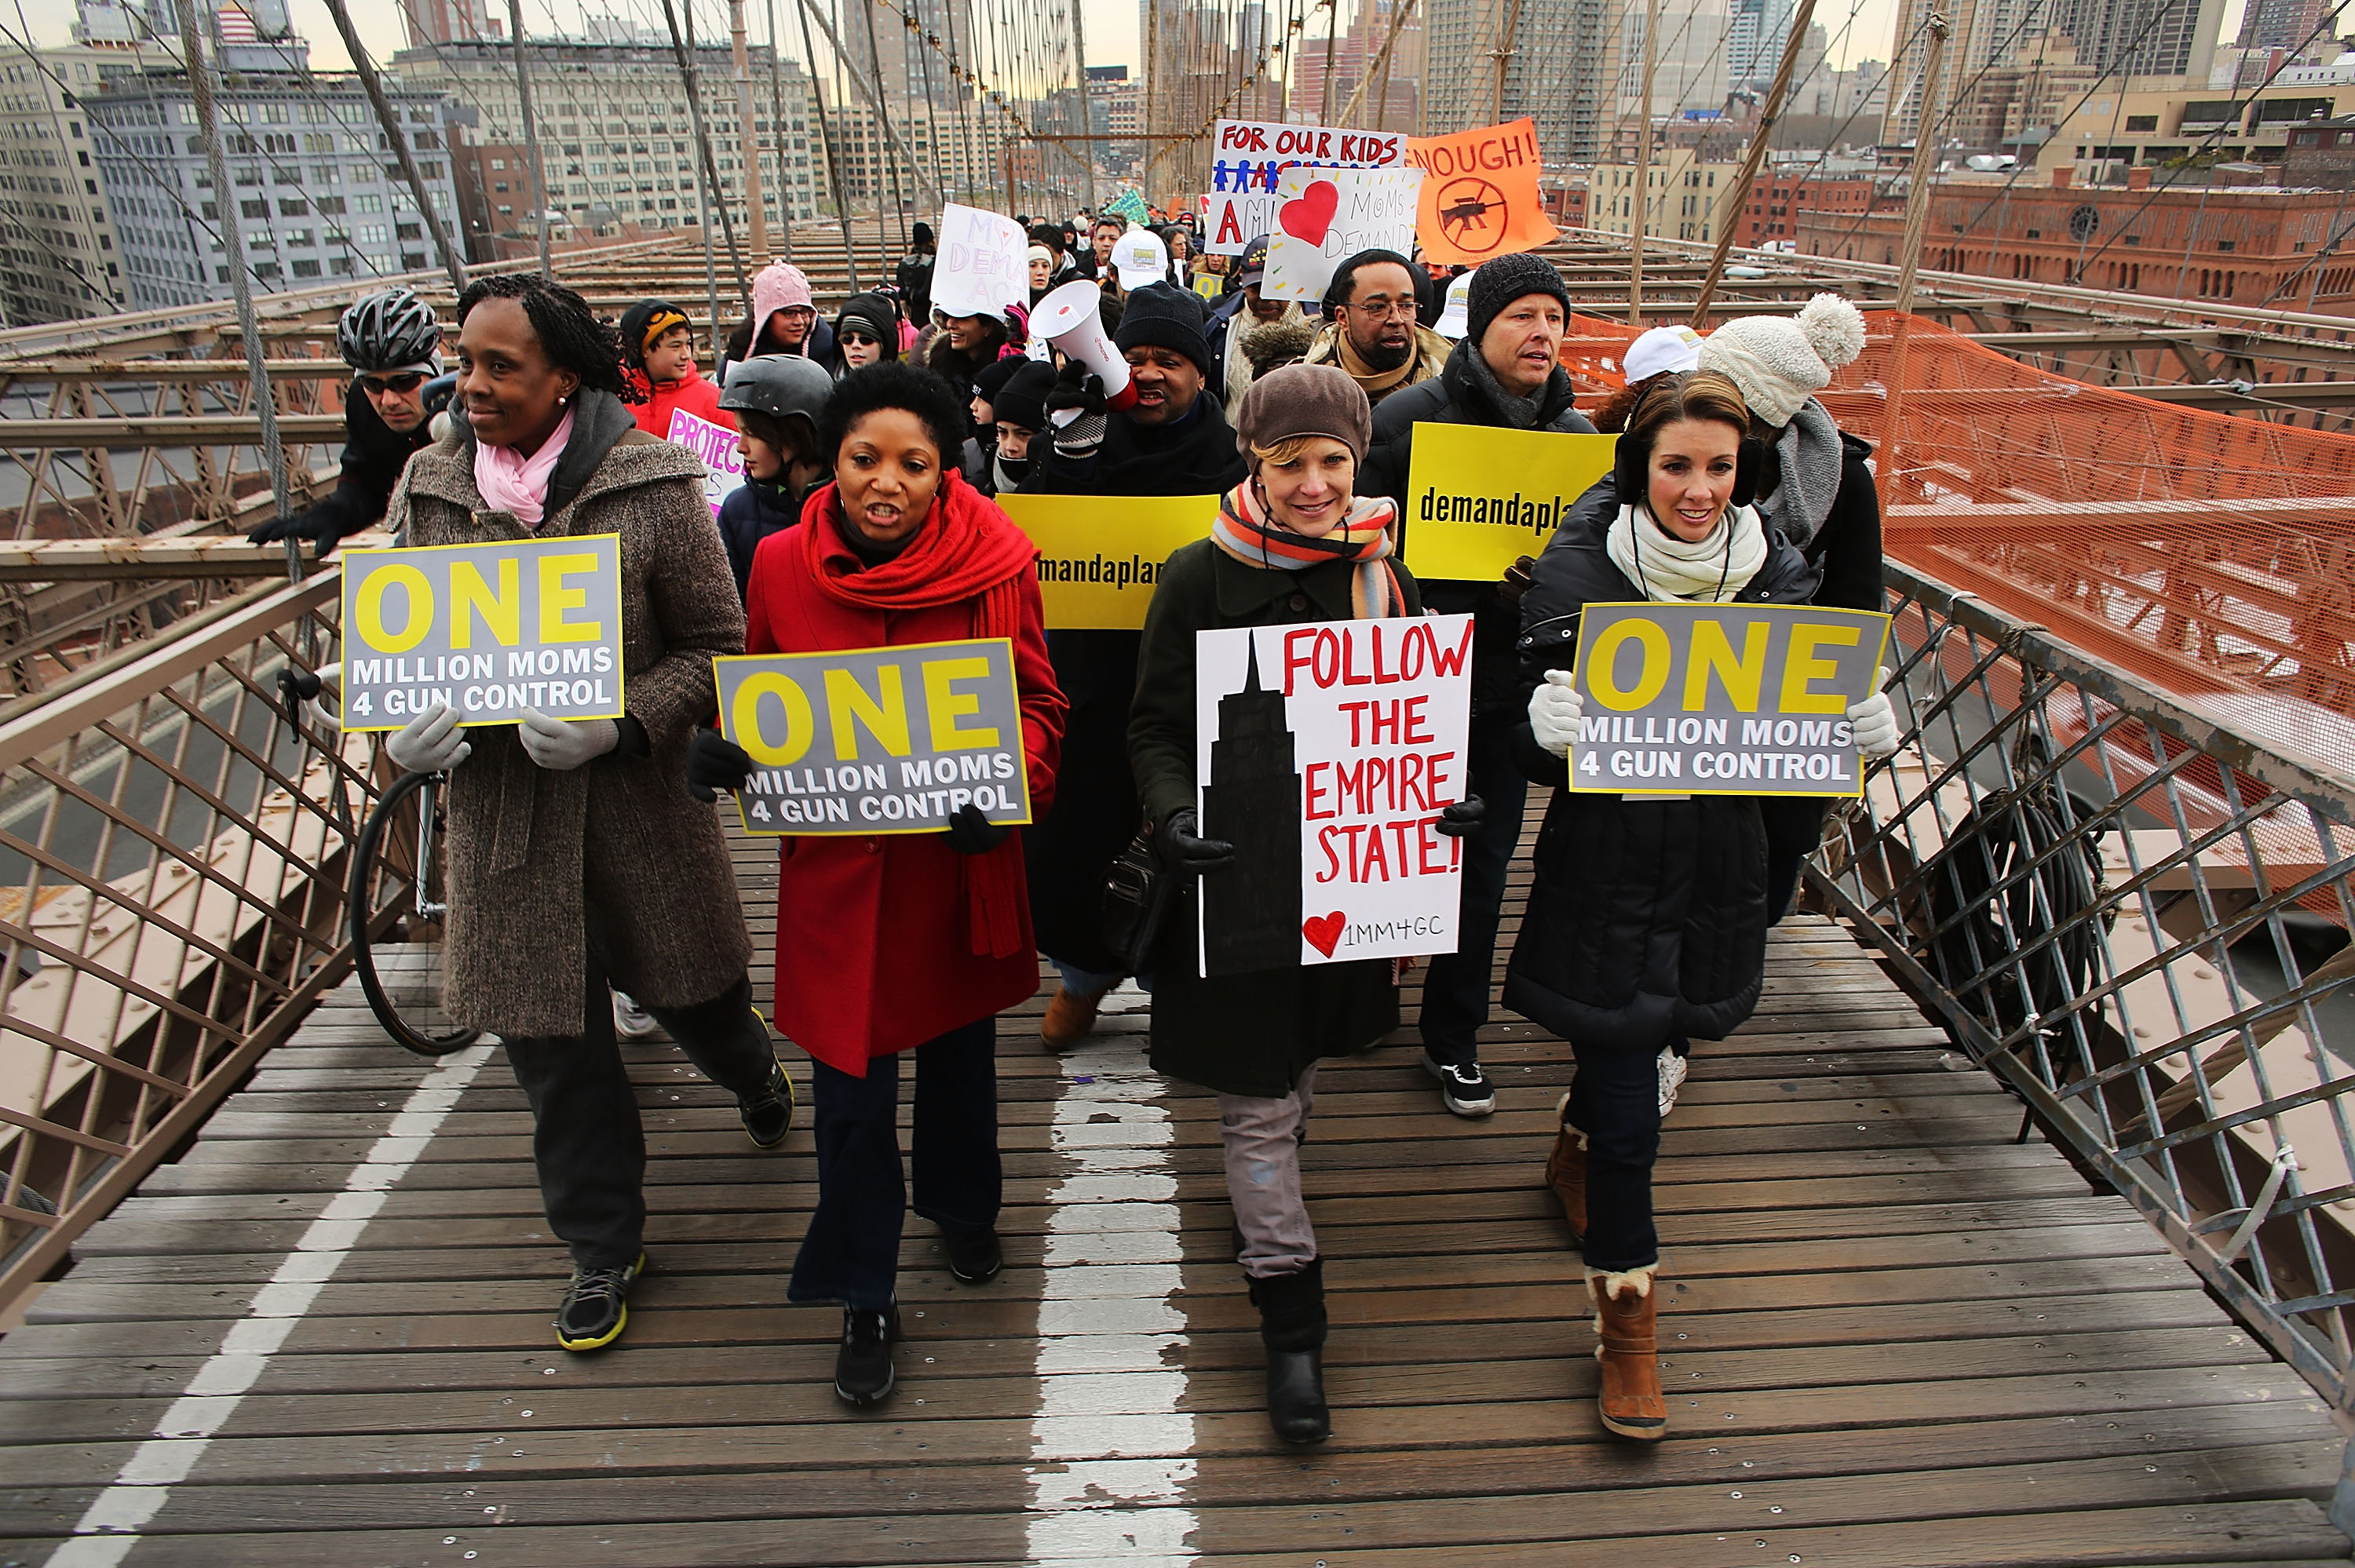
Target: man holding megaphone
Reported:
[(1127, 415)]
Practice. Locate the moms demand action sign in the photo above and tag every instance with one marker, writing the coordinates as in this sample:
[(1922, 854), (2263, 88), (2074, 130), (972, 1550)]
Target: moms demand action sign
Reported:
[(1723, 699), (1325, 753), (489, 630), (877, 740)]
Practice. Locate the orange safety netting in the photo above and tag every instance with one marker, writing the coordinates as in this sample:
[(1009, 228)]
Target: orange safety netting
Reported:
[(2208, 555)]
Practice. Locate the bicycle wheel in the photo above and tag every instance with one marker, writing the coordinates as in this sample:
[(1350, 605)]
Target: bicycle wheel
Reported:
[(397, 943)]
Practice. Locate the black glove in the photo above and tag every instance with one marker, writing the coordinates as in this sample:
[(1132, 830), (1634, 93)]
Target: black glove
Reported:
[(1462, 818), (1186, 852), (970, 833), (1075, 412), (313, 526), (715, 763)]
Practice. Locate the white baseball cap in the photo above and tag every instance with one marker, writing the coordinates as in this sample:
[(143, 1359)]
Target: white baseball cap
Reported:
[(1140, 257), (1668, 348), (1457, 318)]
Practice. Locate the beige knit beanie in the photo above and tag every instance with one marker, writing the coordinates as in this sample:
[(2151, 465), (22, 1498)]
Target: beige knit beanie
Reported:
[(1779, 364)]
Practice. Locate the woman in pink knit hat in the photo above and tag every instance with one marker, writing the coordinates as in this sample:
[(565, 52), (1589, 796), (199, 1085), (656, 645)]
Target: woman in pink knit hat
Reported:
[(783, 319)]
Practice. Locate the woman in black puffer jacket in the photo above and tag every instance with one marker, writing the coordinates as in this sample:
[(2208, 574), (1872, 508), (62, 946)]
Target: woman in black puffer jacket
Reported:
[(1646, 921)]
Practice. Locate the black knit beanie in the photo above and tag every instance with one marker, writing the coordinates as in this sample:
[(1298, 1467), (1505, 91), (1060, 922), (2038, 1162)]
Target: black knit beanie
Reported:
[(1509, 278), (1023, 400), (991, 379), (1164, 317)]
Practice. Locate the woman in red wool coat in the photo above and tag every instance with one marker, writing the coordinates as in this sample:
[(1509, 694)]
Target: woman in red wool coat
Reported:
[(902, 942)]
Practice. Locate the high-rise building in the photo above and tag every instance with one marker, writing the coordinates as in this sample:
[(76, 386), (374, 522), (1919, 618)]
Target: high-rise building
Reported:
[(448, 21), (2284, 24), (1690, 81), (2136, 38), (1757, 31), (1388, 100), (317, 193), (1561, 71), (616, 134)]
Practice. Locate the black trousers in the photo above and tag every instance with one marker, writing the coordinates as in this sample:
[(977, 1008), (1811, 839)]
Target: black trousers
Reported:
[(587, 1142), (1457, 985), (1615, 1101), (851, 1252)]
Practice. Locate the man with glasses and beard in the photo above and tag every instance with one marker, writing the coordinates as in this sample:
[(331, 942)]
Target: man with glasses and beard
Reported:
[(1373, 333), (392, 339)]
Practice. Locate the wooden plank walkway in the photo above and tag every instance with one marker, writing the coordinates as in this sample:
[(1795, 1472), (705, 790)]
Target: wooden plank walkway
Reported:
[(1894, 1337)]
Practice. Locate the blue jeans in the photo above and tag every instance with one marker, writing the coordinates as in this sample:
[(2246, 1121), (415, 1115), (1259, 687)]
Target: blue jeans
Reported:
[(1615, 1101), (1457, 985), (851, 1252)]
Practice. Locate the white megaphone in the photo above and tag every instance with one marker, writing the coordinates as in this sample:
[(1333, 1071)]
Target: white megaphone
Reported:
[(1067, 319)]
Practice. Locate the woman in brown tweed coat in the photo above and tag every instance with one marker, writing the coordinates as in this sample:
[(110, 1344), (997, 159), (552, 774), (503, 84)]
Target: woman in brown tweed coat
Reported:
[(576, 856)]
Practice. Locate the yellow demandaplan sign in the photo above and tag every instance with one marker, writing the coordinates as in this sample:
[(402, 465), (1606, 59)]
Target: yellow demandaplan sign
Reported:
[(1479, 498), (1100, 556)]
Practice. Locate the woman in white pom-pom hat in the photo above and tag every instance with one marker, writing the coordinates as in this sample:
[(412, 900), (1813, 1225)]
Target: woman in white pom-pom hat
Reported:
[(1814, 486)]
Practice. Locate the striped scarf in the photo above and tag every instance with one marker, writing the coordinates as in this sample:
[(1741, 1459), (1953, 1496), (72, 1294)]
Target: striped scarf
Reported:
[(1245, 531)]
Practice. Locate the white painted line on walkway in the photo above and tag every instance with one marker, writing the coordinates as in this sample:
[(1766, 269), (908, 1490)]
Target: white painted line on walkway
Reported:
[(1111, 1446), (109, 1525)]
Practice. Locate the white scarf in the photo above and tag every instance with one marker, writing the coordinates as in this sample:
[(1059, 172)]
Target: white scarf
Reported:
[(1665, 568)]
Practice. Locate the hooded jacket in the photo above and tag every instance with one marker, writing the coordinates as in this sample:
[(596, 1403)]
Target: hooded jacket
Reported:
[(1431, 353), (694, 394), (1646, 917)]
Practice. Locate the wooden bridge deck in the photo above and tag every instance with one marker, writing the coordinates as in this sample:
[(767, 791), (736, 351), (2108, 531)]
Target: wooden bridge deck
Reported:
[(1893, 1335)]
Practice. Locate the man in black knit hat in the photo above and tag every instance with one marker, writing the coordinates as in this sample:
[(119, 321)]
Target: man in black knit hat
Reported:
[(1173, 440), (1506, 373)]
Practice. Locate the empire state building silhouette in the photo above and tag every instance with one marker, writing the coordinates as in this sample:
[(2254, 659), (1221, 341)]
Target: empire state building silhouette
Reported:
[(1250, 911)]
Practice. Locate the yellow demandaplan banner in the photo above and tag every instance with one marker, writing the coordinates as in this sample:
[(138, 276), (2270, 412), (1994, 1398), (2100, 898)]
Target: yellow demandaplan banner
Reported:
[(1479, 498), (1100, 555)]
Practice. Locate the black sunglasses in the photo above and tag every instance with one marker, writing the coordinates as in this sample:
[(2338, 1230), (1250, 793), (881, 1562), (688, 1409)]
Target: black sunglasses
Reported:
[(860, 339), (405, 382)]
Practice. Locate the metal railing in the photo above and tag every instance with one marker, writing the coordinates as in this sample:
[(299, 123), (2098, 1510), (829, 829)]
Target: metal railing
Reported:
[(2136, 915), (171, 867)]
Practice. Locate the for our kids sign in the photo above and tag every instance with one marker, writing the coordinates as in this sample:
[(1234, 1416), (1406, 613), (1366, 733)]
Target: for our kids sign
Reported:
[(488, 630), (1248, 159), (877, 740), (1723, 699), (1326, 753), (723, 465)]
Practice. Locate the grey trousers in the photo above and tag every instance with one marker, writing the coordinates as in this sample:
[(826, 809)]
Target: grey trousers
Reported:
[(1261, 1138)]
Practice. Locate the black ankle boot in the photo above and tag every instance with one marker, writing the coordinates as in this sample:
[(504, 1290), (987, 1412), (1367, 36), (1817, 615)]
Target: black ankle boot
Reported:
[(1291, 1326)]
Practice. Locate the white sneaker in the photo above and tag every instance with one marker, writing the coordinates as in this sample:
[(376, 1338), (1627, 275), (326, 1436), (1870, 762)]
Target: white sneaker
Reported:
[(1673, 1069), (632, 1022)]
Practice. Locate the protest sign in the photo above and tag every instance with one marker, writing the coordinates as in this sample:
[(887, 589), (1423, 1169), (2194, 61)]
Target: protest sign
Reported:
[(1479, 498), (1099, 557), (1326, 753), (1129, 206), (723, 465), (489, 630), (1327, 216), (1480, 194), (983, 263), (877, 740), (1723, 699), (1251, 156)]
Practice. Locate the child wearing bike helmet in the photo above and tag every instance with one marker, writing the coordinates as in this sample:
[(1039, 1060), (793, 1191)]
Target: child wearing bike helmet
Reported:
[(775, 399)]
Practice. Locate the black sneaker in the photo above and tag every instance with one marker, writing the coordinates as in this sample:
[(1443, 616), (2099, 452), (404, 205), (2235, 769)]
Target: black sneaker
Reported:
[(596, 1306), (769, 1114), (1462, 1085), (974, 1256), (862, 1368)]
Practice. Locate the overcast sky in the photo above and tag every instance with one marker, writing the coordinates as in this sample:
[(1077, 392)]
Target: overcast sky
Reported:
[(1857, 28)]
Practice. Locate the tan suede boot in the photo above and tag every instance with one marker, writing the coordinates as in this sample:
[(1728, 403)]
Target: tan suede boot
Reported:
[(1566, 1172), (1070, 1015), (1627, 1318)]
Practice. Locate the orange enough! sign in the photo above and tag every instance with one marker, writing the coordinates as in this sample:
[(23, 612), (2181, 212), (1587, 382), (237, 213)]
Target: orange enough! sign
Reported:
[(1481, 193)]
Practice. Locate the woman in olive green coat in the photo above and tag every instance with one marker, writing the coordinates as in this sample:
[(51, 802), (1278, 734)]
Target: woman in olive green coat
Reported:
[(1291, 544)]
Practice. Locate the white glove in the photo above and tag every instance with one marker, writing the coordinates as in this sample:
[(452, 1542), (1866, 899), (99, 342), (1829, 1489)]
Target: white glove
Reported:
[(1554, 712), (1875, 722), (433, 743), (559, 745)]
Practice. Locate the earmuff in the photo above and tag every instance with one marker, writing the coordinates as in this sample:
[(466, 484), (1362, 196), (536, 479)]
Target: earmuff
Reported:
[(1630, 464)]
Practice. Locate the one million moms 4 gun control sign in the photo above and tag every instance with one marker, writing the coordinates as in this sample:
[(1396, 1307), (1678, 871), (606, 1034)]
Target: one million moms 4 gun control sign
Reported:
[(488, 630), (877, 740), (1324, 754), (1723, 699)]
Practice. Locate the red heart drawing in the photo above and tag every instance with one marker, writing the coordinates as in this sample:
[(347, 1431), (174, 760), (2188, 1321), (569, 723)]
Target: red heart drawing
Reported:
[(1309, 217), (1324, 932)]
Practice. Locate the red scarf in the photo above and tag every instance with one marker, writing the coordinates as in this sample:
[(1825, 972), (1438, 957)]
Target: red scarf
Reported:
[(966, 550)]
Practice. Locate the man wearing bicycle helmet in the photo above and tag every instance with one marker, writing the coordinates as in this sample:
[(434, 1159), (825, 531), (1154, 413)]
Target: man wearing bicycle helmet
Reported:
[(392, 339)]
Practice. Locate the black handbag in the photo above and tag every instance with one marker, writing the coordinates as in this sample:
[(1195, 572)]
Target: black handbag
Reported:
[(1138, 893)]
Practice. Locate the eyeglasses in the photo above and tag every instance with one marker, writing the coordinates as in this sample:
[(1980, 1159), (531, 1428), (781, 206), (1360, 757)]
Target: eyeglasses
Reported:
[(1381, 305), (403, 384)]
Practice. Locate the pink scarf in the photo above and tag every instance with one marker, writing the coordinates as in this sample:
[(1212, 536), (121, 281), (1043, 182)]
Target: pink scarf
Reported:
[(514, 483)]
